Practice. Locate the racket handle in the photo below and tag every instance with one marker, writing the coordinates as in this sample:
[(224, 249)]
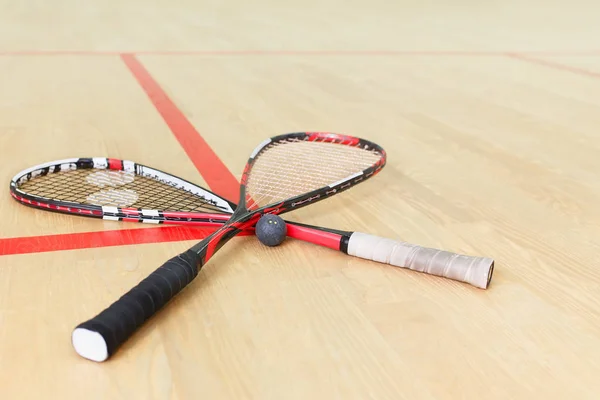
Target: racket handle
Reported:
[(98, 338), (476, 271)]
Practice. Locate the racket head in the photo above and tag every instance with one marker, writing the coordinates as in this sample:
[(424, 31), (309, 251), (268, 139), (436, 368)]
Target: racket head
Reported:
[(293, 170), (115, 189)]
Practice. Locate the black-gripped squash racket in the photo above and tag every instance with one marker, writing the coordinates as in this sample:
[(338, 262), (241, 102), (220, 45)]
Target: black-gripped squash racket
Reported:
[(283, 173)]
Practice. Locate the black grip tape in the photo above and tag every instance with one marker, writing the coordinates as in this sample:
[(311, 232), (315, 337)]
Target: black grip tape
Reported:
[(121, 319)]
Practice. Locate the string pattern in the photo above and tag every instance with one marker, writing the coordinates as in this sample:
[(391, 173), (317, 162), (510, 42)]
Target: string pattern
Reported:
[(116, 189), (293, 167)]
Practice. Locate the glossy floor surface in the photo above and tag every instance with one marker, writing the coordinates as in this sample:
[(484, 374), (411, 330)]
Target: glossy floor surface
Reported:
[(489, 113)]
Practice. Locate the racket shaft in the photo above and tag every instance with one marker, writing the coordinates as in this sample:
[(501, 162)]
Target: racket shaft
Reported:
[(476, 271), (121, 319)]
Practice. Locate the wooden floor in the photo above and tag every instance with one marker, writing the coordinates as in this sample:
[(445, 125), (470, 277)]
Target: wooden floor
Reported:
[(490, 114)]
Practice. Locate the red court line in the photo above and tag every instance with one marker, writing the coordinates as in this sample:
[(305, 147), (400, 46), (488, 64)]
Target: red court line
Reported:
[(258, 52), (58, 53), (555, 65), (210, 166), (458, 53), (86, 240)]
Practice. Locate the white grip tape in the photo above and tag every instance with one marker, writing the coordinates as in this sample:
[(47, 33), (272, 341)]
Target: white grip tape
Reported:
[(476, 271)]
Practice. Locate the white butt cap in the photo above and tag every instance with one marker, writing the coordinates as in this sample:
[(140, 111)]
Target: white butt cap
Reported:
[(90, 345)]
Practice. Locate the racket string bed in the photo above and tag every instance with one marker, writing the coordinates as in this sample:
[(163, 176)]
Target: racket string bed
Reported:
[(62, 186), (116, 189), (294, 167)]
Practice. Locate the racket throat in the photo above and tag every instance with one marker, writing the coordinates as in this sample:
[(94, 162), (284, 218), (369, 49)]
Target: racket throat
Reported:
[(239, 221)]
